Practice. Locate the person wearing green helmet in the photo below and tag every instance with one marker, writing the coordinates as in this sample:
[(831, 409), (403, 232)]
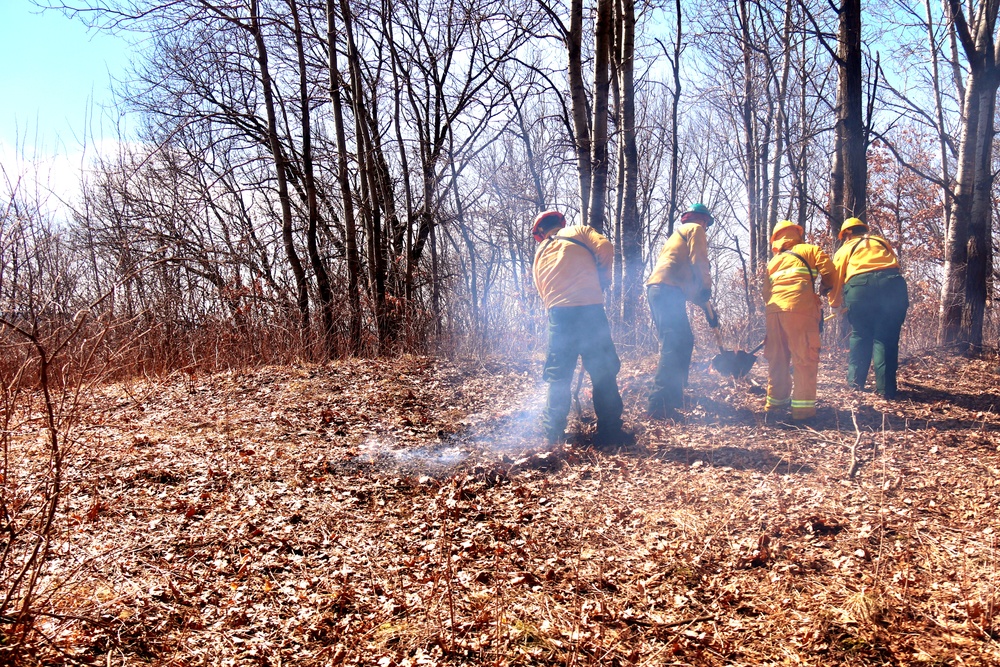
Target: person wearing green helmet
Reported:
[(682, 273)]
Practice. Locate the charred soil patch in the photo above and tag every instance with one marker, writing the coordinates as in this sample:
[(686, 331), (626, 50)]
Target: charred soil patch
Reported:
[(407, 513)]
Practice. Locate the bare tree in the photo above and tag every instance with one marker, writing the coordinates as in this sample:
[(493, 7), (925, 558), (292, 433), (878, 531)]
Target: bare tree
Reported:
[(968, 247)]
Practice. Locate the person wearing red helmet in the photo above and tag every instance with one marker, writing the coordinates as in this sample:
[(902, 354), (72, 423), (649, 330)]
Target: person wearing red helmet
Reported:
[(571, 269)]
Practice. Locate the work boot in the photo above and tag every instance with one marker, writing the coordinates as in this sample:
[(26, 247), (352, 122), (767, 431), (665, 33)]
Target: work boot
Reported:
[(555, 437), (663, 413), (613, 438), (661, 409)]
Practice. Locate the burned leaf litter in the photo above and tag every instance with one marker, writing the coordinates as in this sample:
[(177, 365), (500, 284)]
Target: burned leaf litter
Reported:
[(358, 513)]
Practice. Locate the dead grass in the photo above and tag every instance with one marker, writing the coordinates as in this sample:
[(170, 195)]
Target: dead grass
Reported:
[(405, 514)]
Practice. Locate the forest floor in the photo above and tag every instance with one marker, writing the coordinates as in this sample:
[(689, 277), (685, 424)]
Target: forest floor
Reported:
[(409, 513)]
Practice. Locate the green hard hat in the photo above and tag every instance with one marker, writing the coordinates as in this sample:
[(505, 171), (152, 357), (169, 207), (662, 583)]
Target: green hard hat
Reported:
[(699, 208)]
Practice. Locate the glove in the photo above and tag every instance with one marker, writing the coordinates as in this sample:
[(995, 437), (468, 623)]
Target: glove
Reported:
[(711, 316)]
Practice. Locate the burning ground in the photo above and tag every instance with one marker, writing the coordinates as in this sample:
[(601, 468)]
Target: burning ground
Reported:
[(407, 513)]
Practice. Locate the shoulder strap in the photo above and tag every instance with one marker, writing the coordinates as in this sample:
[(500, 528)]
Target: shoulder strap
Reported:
[(566, 238), (812, 271), (870, 238), (579, 243)]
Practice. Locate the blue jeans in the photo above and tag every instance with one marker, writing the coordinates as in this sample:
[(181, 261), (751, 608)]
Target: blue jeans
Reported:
[(581, 331), (668, 307)]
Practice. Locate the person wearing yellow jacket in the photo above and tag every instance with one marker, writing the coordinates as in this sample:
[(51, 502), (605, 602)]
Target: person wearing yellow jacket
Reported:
[(571, 269), (793, 315), (682, 273), (876, 298)]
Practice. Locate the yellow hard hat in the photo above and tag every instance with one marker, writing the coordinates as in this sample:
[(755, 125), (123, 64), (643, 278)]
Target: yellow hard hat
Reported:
[(849, 224), (786, 229)]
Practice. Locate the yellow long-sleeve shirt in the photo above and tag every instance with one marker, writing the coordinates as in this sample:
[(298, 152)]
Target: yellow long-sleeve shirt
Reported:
[(572, 267), (861, 255), (789, 282), (683, 263)]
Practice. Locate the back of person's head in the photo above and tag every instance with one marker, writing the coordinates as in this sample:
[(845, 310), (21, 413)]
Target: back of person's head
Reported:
[(698, 212), (545, 222), (786, 234), (852, 227)]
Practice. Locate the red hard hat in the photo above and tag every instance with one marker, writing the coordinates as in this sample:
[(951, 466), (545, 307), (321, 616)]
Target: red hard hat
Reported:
[(545, 221)]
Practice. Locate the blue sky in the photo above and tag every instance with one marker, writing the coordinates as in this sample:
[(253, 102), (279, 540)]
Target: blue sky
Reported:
[(54, 75)]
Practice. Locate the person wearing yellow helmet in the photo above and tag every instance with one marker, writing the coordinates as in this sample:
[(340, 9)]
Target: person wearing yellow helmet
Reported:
[(876, 299), (571, 269), (793, 315), (682, 274)]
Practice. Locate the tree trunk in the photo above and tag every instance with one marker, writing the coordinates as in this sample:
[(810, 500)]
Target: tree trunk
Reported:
[(631, 229), (322, 278), (675, 103), (968, 254), (281, 166), (371, 213), (850, 174), (578, 98), (943, 154), (758, 251), (780, 120), (353, 259), (599, 146)]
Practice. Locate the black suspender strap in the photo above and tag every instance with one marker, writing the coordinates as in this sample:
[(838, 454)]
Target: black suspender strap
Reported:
[(574, 241), (812, 274), (868, 238)]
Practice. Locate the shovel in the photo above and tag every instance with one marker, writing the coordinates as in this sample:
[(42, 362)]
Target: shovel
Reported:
[(738, 363)]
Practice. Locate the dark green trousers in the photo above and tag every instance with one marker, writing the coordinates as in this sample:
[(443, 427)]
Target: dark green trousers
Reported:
[(876, 307), (581, 331)]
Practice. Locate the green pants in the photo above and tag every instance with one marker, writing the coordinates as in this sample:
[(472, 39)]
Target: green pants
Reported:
[(581, 331), (876, 307)]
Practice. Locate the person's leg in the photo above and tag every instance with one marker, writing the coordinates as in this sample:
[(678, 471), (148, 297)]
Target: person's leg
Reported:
[(862, 313), (779, 379), (600, 359), (893, 302), (668, 308), (558, 372), (804, 344)]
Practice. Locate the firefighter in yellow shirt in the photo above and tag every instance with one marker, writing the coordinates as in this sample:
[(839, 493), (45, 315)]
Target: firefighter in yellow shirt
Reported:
[(571, 269), (793, 316), (875, 295), (682, 273)]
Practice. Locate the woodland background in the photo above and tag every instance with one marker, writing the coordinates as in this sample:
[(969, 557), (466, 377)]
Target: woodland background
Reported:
[(321, 183), (284, 200)]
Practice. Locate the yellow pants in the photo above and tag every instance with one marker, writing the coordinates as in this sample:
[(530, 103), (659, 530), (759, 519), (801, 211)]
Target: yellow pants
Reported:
[(792, 339)]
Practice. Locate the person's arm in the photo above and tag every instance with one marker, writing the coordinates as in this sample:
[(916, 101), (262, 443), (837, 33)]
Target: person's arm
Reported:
[(840, 262), (829, 282), (534, 270), (765, 286), (700, 267), (604, 255)]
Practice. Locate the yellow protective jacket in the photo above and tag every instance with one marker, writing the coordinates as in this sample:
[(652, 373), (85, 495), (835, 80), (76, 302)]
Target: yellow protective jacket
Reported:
[(683, 263), (861, 255), (789, 282), (572, 267)]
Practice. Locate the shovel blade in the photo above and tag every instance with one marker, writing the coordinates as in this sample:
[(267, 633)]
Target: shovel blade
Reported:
[(735, 363)]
